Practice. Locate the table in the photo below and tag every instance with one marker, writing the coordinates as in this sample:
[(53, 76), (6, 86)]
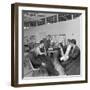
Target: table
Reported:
[(53, 53)]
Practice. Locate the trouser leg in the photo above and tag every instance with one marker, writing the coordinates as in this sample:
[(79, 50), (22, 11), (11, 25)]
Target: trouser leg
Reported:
[(50, 67)]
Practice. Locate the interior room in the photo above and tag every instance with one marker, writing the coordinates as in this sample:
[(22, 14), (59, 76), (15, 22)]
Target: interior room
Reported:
[(38, 25)]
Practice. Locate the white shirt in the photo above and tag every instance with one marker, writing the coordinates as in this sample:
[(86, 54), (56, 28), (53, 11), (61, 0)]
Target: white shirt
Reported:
[(66, 55)]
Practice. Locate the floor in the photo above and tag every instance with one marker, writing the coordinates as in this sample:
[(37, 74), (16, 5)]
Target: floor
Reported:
[(28, 72), (74, 68)]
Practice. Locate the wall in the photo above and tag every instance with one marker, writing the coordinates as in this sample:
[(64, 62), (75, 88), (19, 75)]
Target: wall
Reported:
[(71, 28), (5, 45)]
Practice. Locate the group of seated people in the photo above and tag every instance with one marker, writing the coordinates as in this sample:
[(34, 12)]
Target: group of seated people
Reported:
[(68, 56)]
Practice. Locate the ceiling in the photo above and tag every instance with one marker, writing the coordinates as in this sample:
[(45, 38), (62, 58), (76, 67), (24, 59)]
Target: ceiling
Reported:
[(32, 19), (36, 16)]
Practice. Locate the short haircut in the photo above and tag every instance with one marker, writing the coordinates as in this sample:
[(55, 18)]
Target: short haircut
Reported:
[(49, 35), (41, 41), (61, 44), (73, 41), (69, 40)]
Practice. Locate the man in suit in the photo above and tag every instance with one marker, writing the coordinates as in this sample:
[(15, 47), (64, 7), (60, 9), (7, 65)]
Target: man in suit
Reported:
[(65, 51), (47, 41), (72, 65), (40, 59)]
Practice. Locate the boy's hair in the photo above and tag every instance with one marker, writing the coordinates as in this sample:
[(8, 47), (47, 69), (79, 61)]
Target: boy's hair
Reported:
[(73, 41)]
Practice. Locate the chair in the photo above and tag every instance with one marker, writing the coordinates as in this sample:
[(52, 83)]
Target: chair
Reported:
[(41, 71), (30, 65)]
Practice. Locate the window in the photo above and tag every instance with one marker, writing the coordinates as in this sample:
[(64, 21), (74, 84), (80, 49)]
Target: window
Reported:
[(41, 21), (52, 19), (32, 23)]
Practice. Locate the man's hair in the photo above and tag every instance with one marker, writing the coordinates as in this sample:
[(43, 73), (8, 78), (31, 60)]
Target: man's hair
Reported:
[(49, 35), (41, 41), (69, 40), (61, 44), (73, 41)]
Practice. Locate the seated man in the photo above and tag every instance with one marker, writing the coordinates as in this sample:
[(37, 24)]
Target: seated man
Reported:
[(65, 54), (72, 64), (40, 59), (64, 51)]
